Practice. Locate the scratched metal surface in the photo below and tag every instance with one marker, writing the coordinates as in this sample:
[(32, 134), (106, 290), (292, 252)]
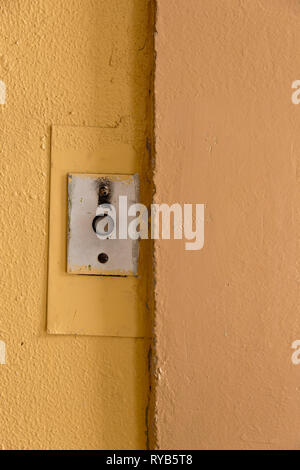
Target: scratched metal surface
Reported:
[(83, 245)]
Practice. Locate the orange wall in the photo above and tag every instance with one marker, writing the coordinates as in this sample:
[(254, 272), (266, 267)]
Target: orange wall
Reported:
[(228, 136)]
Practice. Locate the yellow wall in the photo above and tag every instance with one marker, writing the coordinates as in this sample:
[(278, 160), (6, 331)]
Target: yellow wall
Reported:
[(75, 63)]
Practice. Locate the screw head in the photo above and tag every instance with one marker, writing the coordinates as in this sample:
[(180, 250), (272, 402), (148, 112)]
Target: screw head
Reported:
[(103, 258), (104, 190)]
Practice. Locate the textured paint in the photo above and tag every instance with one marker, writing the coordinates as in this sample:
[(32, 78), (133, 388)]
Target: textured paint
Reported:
[(73, 63), (228, 136)]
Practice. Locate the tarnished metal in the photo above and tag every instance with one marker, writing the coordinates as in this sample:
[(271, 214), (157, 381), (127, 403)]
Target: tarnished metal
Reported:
[(87, 253)]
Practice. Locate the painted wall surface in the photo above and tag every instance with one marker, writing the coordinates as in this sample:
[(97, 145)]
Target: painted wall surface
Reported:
[(73, 63), (228, 136)]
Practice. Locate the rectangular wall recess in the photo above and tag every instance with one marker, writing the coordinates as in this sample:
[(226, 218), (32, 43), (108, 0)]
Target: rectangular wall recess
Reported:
[(90, 304)]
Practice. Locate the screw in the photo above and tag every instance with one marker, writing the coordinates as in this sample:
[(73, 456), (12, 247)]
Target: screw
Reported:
[(104, 190), (103, 258)]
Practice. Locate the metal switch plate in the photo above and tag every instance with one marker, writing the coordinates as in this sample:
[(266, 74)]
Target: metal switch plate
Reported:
[(86, 253)]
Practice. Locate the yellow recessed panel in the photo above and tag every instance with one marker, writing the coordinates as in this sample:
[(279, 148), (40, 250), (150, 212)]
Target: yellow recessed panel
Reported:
[(83, 304)]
